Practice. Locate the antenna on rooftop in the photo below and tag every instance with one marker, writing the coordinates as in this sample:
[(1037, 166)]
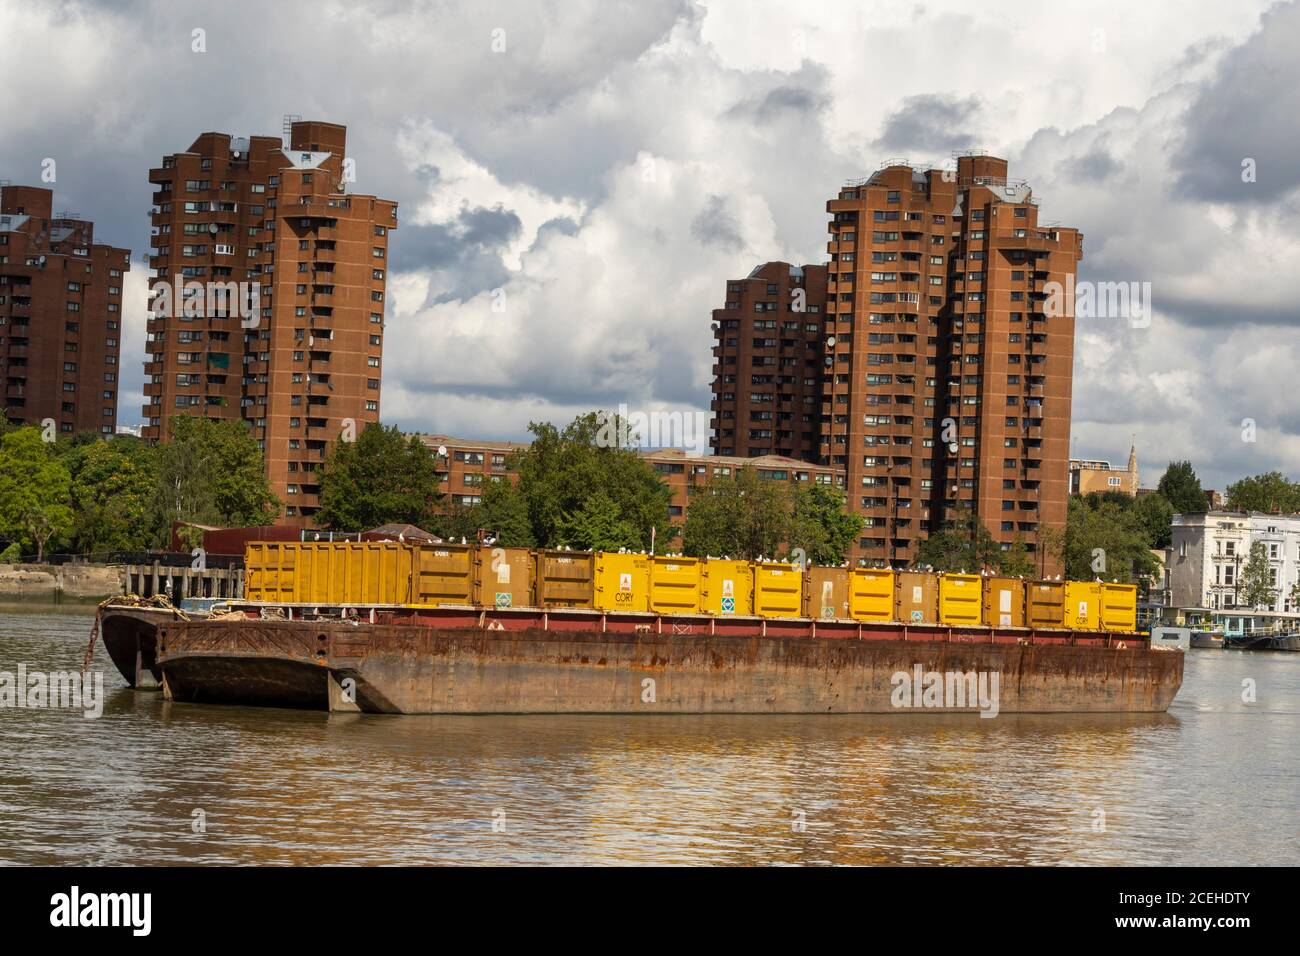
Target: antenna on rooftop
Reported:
[(286, 126)]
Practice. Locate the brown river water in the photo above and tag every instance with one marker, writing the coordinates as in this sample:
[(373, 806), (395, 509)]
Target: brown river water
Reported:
[(1214, 781)]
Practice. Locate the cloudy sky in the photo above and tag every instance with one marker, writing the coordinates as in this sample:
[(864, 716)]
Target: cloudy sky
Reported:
[(609, 165)]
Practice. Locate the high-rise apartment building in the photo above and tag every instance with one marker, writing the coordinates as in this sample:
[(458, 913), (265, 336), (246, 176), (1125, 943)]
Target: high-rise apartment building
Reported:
[(768, 363), (60, 315), (946, 383), (268, 297)]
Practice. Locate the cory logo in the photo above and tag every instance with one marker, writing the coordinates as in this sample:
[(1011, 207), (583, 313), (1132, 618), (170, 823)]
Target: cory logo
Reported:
[(103, 909)]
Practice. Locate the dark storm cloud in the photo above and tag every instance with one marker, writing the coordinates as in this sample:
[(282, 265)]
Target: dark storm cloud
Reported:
[(781, 102), (1248, 111), (715, 226), (931, 122), (1095, 166), (466, 254), (1200, 312)]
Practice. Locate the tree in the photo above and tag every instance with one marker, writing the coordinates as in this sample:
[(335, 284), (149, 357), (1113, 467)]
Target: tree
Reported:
[(455, 522), (34, 490), (821, 525), (1105, 540), (1015, 561), (1182, 489), (504, 510), (738, 516), (112, 483), (1269, 493), (209, 472), (383, 477), (1256, 585), (1156, 516), (963, 544), (1051, 547), (598, 525), (561, 469)]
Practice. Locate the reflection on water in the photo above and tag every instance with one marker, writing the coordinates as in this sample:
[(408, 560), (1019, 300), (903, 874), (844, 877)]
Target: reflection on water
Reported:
[(1214, 781)]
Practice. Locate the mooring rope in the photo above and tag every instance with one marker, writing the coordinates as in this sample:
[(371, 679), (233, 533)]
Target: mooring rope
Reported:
[(160, 601)]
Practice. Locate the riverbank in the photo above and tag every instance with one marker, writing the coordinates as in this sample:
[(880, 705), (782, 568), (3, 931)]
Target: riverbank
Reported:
[(44, 585)]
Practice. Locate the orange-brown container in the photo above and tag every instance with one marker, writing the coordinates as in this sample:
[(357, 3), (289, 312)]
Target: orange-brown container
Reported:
[(565, 578), (444, 574), (1004, 602), (917, 597), (503, 577), (826, 593), (1045, 603)]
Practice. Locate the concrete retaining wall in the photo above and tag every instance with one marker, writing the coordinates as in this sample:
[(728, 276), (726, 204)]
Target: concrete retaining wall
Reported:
[(59, 584)]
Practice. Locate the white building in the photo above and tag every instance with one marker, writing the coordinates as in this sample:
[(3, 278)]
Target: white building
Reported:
[(1209, 552)]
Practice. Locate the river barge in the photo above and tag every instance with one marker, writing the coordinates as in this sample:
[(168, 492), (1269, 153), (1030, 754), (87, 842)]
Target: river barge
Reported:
[(401, 629)]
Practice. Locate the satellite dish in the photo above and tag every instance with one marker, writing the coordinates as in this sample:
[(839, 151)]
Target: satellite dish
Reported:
[(40, 260), (830, 341), (212, 228), (235, 153), (953, 448), (442, 451)]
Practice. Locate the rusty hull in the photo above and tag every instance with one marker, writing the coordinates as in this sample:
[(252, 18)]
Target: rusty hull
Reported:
[(129, 636), (420, 669)]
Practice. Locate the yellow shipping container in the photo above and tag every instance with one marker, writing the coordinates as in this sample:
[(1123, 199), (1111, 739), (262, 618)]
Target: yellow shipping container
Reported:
[(961, 598), (328, 573), (1045, 603), (503, 577), (1118, 607), (727, 587), (622, 581), (1082, 606), (270, 571), (778, 589), (565, 578), (826, 593), (444, 574), (1004, 602), (871, 594), (675, 585)]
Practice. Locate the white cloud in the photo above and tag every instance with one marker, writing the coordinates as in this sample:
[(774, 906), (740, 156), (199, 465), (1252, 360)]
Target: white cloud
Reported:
[(750, 115)]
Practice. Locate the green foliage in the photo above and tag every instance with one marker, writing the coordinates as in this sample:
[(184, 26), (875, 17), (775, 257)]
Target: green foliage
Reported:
[(1270, 492), (504, 510), (1156, 516), (1182, 489), (563, 468), (598, 525), (209, 472), (821, 525), (383, 477), (455, 523), (1256, 587), (738, 516), (34, 491), (1016, 560), (12, 554), (112, 484), (1050, 551), (963, 544), (1104, 539)]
